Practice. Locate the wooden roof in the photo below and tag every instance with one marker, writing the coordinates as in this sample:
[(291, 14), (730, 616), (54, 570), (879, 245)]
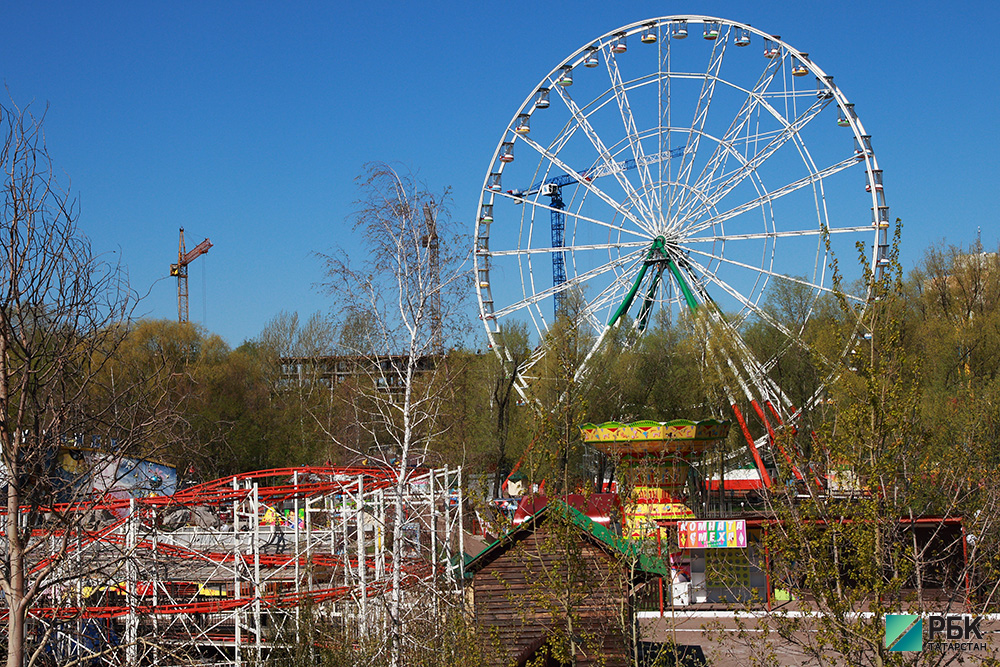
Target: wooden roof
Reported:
[(629, 549)]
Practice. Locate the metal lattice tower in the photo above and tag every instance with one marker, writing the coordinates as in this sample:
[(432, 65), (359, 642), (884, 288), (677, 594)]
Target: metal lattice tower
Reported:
[(180, 271)]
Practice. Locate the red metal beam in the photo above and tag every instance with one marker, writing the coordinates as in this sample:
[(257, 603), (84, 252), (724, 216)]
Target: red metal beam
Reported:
[(753, 448)]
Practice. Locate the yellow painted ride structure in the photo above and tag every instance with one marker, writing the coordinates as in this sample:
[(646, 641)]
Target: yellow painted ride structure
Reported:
[(653, 459)]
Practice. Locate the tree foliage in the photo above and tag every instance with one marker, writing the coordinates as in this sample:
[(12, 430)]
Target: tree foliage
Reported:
[(904, 453)]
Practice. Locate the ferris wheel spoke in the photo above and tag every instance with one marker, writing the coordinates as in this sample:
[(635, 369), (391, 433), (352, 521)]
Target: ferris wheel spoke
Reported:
[(562, 138), (631, 130), (814, 231), (615, 289), (585, 364), (603, 196), (666, 74), (758, 98), (606, 158), (761, 157), (740, 121), (606, 296), (747, 303), (609, 295), (774, 274), (701, 109), (662, 82), (697, 196), (715, 178), (548, 250), (569, 284), (534, 203), (789, 188), (750, 370)]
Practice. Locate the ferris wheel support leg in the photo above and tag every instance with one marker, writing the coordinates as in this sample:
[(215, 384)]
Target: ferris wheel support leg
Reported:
[(815, 440), (774, 413), (775, 441), (766, 478), (659, 243), (770, 406), (629, 298), (647, 304), (685, 289)]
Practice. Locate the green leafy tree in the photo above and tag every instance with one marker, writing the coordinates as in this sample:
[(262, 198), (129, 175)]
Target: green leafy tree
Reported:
[(881, 538)]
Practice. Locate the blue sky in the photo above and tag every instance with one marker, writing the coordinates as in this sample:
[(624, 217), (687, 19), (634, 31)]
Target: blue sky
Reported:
[(248, 122)]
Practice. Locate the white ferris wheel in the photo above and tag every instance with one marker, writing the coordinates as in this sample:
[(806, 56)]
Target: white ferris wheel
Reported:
[(672, 163)]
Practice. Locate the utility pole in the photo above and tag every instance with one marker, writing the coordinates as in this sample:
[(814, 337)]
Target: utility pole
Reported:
[(180, 270)]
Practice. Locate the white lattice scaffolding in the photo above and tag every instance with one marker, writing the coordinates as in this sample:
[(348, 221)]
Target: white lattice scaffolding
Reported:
[(225, 573)]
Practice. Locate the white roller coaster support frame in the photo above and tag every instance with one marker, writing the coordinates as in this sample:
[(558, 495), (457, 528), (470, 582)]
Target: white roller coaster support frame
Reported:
[(221, 589)]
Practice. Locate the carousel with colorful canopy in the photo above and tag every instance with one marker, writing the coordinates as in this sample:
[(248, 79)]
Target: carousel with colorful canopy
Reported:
[(653, 461)]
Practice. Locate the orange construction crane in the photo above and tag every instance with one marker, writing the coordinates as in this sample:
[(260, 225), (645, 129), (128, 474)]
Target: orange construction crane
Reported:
[(180, 270)]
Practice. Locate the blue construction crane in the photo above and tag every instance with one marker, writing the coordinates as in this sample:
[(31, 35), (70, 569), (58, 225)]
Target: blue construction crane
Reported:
[(552, 188)]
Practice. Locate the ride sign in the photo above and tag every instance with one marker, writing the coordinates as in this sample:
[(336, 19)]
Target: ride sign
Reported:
[(715, 534)]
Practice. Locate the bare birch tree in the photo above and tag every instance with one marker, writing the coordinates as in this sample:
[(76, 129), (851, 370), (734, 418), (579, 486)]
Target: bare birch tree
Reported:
[(407, 291), (63, 312)]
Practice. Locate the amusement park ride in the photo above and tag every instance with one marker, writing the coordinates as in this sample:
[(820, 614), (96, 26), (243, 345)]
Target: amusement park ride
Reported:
[(221, 573), (654, 458), (697, 177)]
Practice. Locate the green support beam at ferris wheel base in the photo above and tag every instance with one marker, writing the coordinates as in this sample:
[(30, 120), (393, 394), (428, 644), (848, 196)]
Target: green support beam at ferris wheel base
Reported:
[(647, 304), (688, 294), (658, 249), (627, 302), (659, 243)]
